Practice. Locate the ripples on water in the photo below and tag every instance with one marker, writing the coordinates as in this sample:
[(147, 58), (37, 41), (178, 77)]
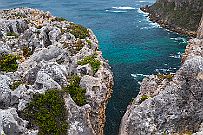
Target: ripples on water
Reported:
[(134, 46)]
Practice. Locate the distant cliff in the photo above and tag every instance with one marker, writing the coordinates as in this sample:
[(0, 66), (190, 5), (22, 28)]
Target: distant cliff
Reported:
[(182, 16), (170, 104), (53, 78)]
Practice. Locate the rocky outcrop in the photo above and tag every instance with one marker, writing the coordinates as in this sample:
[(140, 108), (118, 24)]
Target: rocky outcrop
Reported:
[(48, 49), (170, 104), (182, 16), (200, 30)]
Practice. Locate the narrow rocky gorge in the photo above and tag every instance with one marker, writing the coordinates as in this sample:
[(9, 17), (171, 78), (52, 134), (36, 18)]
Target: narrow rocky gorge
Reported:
[(47, 59), (170, 104)]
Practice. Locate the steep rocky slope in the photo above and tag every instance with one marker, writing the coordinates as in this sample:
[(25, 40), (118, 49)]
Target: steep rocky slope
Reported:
[(170, 104), (53, 78), (182, 16)]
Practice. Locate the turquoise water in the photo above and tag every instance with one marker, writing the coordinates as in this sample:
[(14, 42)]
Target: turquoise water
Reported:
[(133, 45)]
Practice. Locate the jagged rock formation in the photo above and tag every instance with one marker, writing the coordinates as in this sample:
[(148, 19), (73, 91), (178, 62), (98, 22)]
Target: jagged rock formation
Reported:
[(170, 104), (182, 16), (48, 50)]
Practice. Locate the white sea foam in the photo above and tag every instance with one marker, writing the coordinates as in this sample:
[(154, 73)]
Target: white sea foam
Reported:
[(141, 1), (138, 75), (118, 11), (180, 39), (141, 12), (176, 56), (166, 70), (124, 8)]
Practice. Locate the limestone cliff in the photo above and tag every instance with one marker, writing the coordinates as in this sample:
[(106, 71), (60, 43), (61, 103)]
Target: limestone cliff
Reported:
[(170, 104), (182, 16), (46, 64)]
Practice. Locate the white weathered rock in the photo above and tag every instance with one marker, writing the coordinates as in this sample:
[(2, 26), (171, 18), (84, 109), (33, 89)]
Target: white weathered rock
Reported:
[(45, 82), (50, 63), (5, 92), (10, 123), (79, 118)]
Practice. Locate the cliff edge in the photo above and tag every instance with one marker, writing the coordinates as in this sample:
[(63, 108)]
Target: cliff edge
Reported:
[(53, 78), (182, 16), (170, 104)]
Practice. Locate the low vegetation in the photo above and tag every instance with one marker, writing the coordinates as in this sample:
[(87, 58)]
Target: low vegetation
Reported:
[(89, 43), (8, 63), (47, 112), (79, 45), (15, 85), (26, 51), (144, 97), (76, 92), (184, 16), (95, 64), (59, 19), (165, 76), (78, 31), (13, 34)]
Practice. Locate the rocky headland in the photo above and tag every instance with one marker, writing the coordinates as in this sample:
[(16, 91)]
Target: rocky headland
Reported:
[(53, 78), (171, 104), (181, 16)]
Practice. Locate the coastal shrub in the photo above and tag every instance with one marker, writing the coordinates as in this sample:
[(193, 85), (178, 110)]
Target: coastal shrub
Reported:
[(95, 64), (8, 63), (20, 15), (78, 31), (165, 76), (76, 92), (15, 85), (185, 133), (79, 45), (144, 97), (12, 34), (89, 43), (38, 26), (26, 51), (47, 112), (59, 19)]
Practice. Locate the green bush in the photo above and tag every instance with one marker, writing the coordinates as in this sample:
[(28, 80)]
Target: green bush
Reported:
[(8, 63), (59, 19), (89, 43), (165, 76), (15, 84), (12, 34), (78, 31), (76, 92), (95, 64), (79, 45), (47, 112), (144, 97)]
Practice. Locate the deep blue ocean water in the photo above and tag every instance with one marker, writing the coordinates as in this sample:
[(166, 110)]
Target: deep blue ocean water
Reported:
[(134, 46)]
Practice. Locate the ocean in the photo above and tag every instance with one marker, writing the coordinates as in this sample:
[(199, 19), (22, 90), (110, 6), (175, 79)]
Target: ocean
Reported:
[(134, 46)]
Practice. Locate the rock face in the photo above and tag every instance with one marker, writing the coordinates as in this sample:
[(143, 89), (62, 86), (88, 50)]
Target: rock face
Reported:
[(48, 50), (170, 105), (182, 16), (200, 30)]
